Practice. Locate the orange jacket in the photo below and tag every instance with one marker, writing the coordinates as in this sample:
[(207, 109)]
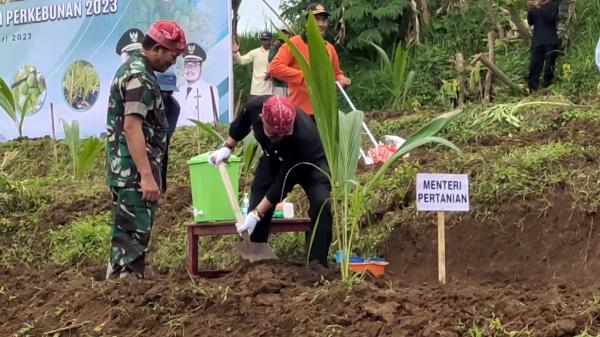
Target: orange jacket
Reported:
[(284, 67)]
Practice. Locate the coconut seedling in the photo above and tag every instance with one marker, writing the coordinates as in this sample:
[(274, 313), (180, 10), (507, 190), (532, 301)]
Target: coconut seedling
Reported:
[(397, 68), (340, 135), (83, 155)]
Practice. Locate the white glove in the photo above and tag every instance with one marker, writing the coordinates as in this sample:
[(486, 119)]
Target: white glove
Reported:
[(248, 225), (217, 157)]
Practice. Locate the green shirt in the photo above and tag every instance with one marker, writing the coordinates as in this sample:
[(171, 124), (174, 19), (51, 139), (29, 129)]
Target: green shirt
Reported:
[(134, 91)]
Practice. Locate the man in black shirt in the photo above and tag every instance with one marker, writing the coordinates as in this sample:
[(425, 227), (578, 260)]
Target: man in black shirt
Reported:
[(288, 138), (543, 16)]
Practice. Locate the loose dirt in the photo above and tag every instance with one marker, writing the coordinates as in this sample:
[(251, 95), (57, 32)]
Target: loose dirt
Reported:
[(532, 264)]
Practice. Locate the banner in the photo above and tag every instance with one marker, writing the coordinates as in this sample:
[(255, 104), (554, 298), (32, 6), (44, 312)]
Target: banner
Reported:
[(65, 53)]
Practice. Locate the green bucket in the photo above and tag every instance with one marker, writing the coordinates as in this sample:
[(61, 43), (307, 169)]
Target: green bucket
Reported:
[(209, 196)]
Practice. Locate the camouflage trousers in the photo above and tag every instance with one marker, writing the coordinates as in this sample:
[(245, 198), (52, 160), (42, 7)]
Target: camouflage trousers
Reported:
[(132, 220)]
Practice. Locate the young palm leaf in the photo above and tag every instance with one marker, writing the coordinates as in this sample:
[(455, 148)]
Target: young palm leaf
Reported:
[(72, 139), (250, 153), (209, 129), (385, 60), (90, 150), (397, 69), (320, 82), (7, 102), (349, 145), (421, 137)]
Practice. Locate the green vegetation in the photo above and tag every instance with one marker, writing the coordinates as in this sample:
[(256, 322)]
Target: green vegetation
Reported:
[(454, 27), (395, 67), (86, 240), (363, 22), (492, 328), (519, 164), (83, 155), (340, 135), (552, 147)]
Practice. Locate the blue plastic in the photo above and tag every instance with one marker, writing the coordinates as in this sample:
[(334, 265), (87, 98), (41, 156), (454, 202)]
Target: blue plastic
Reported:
[(339, 255)]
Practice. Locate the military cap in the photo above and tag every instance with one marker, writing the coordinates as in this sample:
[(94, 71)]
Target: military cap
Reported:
[(193, 52), (130, 40)]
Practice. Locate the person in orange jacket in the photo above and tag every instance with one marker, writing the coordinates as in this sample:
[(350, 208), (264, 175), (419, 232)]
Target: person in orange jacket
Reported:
[(285, 67)]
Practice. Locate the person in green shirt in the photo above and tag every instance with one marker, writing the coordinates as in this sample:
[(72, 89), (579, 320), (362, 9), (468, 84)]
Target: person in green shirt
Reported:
[(135, 148)]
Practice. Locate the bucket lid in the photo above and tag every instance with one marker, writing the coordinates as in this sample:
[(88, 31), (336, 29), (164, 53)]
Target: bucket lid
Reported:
[(203, 158)]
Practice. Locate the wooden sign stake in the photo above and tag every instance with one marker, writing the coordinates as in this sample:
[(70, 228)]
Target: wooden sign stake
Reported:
[(441, 248)]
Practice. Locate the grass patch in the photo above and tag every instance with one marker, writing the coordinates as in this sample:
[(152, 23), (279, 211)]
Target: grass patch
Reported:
[(288, 245), (521, 173), (168, 251), (491, 328), (86, 240)]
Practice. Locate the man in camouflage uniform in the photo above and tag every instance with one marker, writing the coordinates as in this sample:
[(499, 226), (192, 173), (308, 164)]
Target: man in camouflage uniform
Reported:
[(136, 142)]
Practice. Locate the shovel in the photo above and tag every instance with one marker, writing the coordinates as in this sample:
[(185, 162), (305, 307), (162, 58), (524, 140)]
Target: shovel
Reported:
[(378, 151), (248, 250)]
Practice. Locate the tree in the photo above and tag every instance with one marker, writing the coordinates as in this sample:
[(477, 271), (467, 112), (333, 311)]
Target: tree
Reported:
[(356, 23)]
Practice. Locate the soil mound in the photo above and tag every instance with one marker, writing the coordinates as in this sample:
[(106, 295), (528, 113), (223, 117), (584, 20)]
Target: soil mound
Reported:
[(275, 299), (557, 244)]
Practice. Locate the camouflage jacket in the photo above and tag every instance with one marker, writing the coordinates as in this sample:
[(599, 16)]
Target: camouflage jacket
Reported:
[(134, 91)]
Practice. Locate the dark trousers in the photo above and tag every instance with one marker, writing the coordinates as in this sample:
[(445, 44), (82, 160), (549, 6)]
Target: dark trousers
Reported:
[(318, 190), (132, 220), (542, 58), (172, 110)]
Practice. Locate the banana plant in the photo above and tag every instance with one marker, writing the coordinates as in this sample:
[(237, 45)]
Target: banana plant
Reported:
[(340, 136)]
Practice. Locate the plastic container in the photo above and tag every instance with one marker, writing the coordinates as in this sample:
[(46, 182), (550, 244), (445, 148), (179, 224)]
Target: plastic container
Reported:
[(374, 265), (245, 205), (377, 269), (284, 210), (288, 210), (209, 197), (359, 267)]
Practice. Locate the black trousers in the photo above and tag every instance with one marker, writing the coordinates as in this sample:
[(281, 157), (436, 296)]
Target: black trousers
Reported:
[(318, 190), (172, 109), (542, 58)]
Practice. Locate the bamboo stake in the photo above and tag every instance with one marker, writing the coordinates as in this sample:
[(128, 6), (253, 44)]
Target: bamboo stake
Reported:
[(238, 105), (500, 74), (53, 133), (489, 76), (459, 64), (441, 248)]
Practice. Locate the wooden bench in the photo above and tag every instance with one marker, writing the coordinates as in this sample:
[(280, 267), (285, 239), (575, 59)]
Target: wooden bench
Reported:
[(195, 230)]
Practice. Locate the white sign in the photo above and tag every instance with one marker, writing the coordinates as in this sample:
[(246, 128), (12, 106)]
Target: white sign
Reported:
[(442, 192)]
